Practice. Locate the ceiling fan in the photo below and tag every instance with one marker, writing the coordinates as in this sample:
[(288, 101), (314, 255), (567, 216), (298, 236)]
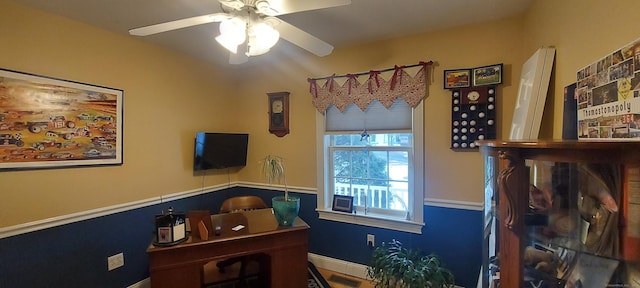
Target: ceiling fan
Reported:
[(251, 28)]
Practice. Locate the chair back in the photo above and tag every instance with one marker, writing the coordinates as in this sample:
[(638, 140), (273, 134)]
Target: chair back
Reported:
[(242, 203)]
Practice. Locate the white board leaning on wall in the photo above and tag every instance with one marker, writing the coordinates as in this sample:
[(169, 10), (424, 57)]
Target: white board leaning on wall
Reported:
[(532, 94)]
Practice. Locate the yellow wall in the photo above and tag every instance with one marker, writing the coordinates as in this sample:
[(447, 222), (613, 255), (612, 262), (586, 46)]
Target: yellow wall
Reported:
[(169, 96), (449, 175), (582, 32)]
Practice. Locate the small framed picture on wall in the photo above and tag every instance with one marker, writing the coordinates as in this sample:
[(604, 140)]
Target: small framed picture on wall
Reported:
[(459, 78), (487, 75)]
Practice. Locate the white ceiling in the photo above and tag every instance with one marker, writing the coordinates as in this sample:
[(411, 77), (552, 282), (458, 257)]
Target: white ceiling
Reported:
[(360, 22)]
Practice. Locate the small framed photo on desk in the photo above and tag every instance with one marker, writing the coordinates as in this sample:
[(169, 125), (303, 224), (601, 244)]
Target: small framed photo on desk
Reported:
[(343, 203)]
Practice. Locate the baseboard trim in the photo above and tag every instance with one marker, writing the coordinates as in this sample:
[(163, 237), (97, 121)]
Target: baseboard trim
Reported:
[(337, 265), (341, 266), (145, 283)]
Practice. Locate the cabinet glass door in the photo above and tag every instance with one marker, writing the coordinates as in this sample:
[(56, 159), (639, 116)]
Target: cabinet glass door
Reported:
[(490, 265), (572, 226)]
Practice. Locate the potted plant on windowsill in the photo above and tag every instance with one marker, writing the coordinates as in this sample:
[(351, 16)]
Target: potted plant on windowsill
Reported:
[(394, 266), (285, 208)]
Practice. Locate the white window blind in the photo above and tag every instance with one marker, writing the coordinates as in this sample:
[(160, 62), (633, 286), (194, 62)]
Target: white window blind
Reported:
[(376, 118)]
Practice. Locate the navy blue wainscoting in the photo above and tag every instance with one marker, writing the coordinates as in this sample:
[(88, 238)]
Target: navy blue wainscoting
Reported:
[(455, 235), (75, 254)]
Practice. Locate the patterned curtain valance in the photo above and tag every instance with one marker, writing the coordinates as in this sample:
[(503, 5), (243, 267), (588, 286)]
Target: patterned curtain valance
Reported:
[(400, 85)]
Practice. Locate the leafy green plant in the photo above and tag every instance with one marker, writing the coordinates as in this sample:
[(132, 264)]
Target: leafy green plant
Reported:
[(272, 168), (394, 266)]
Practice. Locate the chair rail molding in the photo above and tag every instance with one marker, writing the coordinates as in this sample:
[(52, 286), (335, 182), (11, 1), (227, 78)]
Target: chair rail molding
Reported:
[(108, 210)]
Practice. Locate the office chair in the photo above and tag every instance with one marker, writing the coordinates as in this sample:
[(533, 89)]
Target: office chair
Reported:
[(236, 204), (242, 203)]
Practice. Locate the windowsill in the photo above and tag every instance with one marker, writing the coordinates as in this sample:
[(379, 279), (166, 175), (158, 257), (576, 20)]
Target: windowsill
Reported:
[(372, 220)]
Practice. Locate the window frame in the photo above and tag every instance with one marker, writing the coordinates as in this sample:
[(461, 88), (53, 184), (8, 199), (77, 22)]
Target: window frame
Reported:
[(331, 176), (416, 181)]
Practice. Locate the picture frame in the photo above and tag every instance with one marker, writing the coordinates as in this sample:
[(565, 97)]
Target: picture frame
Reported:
[(487, 75), (342, 203), (47, 122), (459, 78)]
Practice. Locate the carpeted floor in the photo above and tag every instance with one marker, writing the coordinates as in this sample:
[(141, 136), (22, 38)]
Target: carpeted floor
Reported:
[(314, 280)]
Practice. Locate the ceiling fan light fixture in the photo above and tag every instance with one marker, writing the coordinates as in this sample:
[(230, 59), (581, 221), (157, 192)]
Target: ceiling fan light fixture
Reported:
[(233, 4), (237, 21), (232, 33), (227, 43), (264, 8), (255, 50), (232, 27), (262, 37)]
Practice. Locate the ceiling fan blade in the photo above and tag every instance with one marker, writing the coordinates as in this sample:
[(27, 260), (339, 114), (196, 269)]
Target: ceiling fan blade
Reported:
[(303, 39), (241, 56), (281, 7), (178, 24)]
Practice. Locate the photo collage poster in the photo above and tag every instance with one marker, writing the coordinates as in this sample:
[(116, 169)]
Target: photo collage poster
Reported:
[(608, 96)]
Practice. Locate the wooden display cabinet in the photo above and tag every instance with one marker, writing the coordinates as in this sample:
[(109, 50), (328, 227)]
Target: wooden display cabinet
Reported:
[(561, 214)]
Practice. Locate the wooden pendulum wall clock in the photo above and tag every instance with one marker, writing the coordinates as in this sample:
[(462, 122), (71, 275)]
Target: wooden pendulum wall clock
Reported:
[(279, 113)]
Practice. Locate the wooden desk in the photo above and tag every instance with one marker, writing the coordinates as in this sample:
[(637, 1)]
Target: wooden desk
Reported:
[(181, 265)]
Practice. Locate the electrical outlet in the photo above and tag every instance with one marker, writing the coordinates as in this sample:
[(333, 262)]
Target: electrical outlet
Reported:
[(115, 261), (371, 240)]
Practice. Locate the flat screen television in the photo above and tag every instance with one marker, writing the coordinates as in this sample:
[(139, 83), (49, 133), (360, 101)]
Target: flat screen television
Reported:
[(220, 150)]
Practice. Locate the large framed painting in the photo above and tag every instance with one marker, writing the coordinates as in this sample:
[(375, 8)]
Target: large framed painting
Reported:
[(53, 123)]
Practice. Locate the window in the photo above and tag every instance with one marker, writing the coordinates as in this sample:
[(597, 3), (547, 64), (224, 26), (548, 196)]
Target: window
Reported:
[(376, 157), (374, 169)]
